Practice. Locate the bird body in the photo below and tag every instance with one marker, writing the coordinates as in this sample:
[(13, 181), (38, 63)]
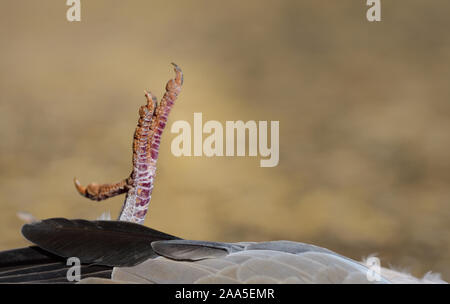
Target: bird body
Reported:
[(123, 252)]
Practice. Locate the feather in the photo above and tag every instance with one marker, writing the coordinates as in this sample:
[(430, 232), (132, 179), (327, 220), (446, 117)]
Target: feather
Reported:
[(185, 250), (287, 246), (270, 262), (24, 256), (162, 271), (26, 217), (144, 255), (100, 281), (35, 265), (216, 279), (110, 243)]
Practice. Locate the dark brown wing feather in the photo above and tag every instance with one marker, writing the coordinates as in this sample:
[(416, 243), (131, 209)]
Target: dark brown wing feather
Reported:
[(109, 243), (35, 265), (99, 245)]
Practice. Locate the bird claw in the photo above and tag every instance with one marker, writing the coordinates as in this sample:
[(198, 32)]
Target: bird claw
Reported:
[(98, 192)]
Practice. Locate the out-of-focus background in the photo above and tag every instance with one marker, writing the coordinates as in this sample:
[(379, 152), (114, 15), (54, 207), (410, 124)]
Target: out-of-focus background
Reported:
[(363, 109)]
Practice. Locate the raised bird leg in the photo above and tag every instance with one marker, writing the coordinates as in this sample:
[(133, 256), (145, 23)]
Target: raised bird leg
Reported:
[(147, 138), (145, 152)]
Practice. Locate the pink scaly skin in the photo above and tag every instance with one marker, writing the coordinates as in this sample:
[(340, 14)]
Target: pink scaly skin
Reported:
[(147, 138)]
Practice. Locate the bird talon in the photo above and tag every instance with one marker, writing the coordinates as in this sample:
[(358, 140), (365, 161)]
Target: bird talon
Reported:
[(152, 121), (79, 187)]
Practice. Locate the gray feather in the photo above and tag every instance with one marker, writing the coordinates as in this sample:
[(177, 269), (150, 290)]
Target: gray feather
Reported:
[(185, 250)]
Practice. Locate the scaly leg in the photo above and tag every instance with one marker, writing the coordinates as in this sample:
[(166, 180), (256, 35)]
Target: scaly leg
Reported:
[(146, 140), (145, 155)]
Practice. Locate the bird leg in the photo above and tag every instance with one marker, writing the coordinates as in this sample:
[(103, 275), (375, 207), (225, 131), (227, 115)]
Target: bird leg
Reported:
[(101, 192), (146, 148), (146, 140)]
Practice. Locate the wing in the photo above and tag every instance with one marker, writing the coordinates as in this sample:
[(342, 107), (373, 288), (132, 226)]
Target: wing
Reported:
[(109, 243), (98, 244), (144, 255), (183, 261)]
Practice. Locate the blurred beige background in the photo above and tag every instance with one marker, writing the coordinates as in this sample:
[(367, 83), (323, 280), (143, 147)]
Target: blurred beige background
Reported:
[(363, 109)]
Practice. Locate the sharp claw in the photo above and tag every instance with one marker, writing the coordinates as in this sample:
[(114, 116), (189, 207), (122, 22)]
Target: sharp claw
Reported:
[(79, 187), (148, 95), (151, 99), (179, 77)]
